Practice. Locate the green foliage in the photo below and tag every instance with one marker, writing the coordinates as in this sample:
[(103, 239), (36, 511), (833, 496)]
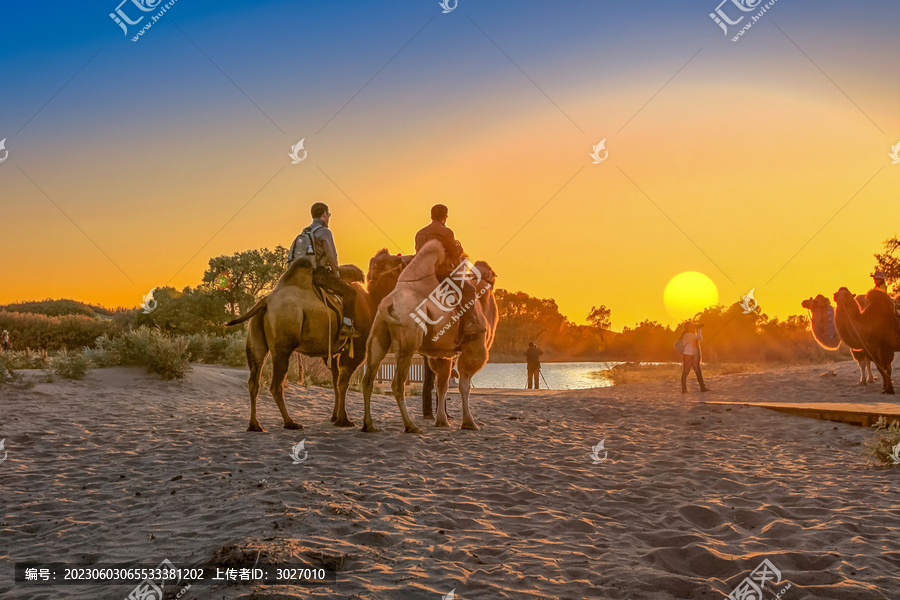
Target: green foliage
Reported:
[(28, 330), (57, 308), (168, 357), (187, 312), (889, 262), (7, 374), (882, 443), (244, 276), (27, 359), (71, 365)]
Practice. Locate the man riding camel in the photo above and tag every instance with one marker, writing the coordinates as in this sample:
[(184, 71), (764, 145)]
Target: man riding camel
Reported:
[(879, 278), (325, 264), (470, 326)]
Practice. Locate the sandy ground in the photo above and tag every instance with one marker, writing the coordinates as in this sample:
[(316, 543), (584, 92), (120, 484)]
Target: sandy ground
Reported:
[(691, 498)]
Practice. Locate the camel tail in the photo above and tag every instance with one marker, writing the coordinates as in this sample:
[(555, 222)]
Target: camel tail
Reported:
[(257, 308), (390, 317)]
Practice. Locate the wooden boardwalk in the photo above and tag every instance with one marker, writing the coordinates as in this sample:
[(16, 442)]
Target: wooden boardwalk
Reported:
[(854, 413)]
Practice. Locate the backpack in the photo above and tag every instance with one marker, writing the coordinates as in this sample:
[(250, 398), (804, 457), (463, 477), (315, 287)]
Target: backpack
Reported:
[(304, 246), (679, 344)]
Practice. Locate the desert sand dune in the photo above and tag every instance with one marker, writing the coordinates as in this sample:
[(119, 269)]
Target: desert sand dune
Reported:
[(125, 467)]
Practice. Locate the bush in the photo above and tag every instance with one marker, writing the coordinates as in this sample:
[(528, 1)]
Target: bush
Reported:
[(71, 365), (6, 371), (881, 445), (236, 350), (52, 333), (27, 359), (168, 357)]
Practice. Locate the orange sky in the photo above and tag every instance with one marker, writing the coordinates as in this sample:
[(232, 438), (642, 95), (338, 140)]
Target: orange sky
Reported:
[(749, 152)]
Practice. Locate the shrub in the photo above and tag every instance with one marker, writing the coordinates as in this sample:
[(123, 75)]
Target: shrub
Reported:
[(236, 350), (168, 357), (71, 365), (52, 333), (881, 445), (6, 371)]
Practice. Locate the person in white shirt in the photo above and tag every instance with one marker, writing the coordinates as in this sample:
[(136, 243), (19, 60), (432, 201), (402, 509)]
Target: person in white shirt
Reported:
[(690, 355)]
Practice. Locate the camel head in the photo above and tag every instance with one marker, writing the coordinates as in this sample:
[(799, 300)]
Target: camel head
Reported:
[(487, 273), (384, 270), (844, 296), (817, 303)]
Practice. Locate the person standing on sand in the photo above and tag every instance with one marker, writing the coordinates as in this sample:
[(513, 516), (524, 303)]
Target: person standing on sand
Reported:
[(690, 355), (533, 364)]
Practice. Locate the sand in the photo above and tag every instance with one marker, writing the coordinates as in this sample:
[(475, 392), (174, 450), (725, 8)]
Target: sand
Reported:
[(125, 467)]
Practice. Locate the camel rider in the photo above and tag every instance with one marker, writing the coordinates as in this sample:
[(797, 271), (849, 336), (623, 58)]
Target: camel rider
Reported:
[(879, 278), (470, 325), (325, 263)]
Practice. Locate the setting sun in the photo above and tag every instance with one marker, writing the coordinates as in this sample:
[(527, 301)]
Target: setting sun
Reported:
[(689, 293)]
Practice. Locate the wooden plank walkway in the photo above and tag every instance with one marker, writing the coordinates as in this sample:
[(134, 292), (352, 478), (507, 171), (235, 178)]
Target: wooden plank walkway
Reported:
[(863, 414)]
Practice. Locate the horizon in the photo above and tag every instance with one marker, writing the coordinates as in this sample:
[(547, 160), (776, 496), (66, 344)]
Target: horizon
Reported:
[(130, 164)]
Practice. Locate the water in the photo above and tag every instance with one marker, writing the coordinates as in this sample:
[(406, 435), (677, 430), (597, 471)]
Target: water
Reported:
[(559, 376)]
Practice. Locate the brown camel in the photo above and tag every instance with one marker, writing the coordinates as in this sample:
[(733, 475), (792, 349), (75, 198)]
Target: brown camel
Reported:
[(292, 317), (395, 326), (876, 326), (384, 271), (830, 337)]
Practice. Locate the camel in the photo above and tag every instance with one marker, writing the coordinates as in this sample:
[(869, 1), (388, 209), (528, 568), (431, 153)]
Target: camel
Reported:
[(384, 271), (396, 326), (830, 336), (292, 317), (877, 328)]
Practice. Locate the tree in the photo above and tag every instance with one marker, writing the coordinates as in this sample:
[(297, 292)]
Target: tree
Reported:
[(245, 276), (889, 262), (599, 318)]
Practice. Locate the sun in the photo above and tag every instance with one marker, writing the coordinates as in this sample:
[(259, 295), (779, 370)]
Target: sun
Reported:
[(688, 293)]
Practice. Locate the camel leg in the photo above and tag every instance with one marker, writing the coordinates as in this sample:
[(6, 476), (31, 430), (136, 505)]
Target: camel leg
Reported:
[(404, 359), (862, 363), (280, 361), (441, 368), (256, 357), (885, 358), (335, 377), (871, 377), (377, 347), (465, 382), (341, 384), (427, 389)]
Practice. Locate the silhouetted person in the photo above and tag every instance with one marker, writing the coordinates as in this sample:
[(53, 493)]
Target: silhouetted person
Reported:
[(879, 279), (690, 355), (533, 364)]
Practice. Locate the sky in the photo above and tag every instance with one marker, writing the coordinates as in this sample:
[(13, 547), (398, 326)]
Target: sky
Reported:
[(763, 164)]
